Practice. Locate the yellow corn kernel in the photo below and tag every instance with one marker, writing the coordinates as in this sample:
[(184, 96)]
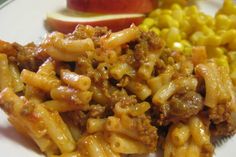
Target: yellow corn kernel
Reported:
[(156, 30), (173, 36), (233, 21), (233, 66), (187, 51), (232, 44), (228, 36), (197, 21), (222, 22), (185, 43), (233, 77), (191, 10), (187, 47), (183, 35), (210, 21), (198, 38), (232, 56), (220, 32), (213, 40), (144, 27), (164, 33), (149, 22), (166, 12), (176, 7), (207, 31), (178, 46), (155, 13), (186, 26), (223, 61), (178, 15), (215, 52), (166, 21), (228, 8)]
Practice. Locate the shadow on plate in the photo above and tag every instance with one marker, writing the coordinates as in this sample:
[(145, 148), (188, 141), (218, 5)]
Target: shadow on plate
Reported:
[(10, 133)]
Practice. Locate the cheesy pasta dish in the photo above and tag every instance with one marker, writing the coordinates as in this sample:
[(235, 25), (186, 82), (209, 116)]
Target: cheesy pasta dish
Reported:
[(97, 93)]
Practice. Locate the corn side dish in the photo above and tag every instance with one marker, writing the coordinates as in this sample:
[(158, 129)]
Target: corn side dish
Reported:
[(183, 27)]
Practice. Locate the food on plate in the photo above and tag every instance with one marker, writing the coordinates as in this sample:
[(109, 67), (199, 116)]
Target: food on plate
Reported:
[(112, 6), (66, 21), (94, 92), (166, 84), (185, 27)]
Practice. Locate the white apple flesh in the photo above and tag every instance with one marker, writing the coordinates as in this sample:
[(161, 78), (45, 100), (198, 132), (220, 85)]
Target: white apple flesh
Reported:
[(65, 21)]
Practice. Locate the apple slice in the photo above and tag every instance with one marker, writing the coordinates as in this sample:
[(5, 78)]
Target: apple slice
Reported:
[(112, 6), (65, 20)]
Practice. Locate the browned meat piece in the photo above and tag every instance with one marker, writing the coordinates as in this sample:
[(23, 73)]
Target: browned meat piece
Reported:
[(147, 132), (225, 128), (83, 32), (30, 56), (96, 111), (148, 41), (223, 120), (220, 113), (207, 150), (152, 40), (171, 57), (181, 106), (185, 105), (123, 99), (78, 118)]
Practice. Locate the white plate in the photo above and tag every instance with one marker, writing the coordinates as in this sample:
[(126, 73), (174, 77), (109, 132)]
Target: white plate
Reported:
[(23, 21)]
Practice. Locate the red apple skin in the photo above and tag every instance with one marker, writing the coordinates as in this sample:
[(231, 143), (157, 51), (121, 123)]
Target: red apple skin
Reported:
[(114, 25), (112, 6)]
